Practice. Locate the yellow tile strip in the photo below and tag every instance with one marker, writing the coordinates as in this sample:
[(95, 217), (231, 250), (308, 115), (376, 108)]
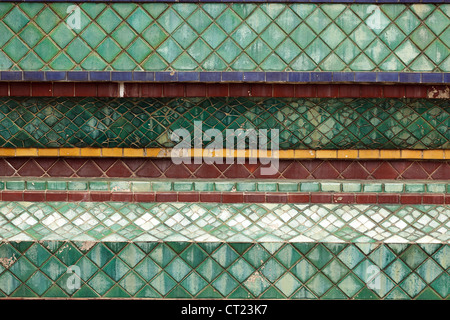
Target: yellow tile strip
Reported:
[(282, 154)]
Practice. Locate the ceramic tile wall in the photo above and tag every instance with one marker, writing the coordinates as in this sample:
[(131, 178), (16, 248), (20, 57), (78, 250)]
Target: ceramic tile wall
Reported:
[(339, 219)]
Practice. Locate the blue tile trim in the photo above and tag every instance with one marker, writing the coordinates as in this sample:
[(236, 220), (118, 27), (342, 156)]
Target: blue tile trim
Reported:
[(100, 75), (55, 75), (143, 76), (33, 75), (232, 76), (121, 75)]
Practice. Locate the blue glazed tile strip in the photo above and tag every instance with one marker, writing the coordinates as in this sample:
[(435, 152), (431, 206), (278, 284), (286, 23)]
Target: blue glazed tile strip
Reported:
[(232, 76)]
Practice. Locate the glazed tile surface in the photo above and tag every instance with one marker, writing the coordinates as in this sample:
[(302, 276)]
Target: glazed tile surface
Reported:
[(316, 123), (225, 37), (264, 270), (115, 221)]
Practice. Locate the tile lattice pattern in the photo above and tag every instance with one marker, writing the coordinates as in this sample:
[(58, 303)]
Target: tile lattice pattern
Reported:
[(239, 222), (225, 37), (302, 123), (224, 270), (165, 168)]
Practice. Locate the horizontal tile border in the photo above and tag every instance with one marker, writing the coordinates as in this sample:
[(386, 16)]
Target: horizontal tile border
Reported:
[(160, 90), (214, 186), (227, 197), (437, 154), (229, 76)]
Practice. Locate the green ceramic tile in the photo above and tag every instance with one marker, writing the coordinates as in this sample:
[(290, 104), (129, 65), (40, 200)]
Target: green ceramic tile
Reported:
[(162, 186), (287, 186), (224, 186), (183, 186), (245, 186), (310, 186), (267, 186), (351, 187), (393, 187), (56, 185), (203, 186), (98, 185), (331, 186), (36, 185), (15, 185), (410, 187), (373, 187), (77, 185), (140, 186), (436, 187)]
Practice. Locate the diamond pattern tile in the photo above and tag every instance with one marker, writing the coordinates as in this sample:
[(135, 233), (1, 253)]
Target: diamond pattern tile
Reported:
[(221, 222), (325, 124), (24, 278), (284, 32)]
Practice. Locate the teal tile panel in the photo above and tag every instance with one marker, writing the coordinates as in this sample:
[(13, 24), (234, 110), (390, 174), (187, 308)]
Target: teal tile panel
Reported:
[(220, 37), (242, 222), (186, 270), (309, 123)]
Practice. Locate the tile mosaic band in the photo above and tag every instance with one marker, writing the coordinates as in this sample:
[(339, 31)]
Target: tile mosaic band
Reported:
[(166, 169), (229, 76), (160, 90), (230, 222), (302, 123), (223, 270), (244, 37), (226, 197), (351, 154)]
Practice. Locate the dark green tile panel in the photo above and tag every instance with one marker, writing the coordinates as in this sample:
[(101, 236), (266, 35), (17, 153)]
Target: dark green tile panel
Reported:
[(224, 270), (302, 123), (225, 37)]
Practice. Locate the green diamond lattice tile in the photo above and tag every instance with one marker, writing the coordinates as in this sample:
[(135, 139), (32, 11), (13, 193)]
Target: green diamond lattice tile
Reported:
[(343, 29)]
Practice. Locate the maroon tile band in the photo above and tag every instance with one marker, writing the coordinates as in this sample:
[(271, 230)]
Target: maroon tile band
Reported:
[(157, 90), (226, 197), (164, 168)]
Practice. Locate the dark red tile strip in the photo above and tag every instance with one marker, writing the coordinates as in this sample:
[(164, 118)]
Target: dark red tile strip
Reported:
[(164, 168), (157, 90), (226, 197)]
